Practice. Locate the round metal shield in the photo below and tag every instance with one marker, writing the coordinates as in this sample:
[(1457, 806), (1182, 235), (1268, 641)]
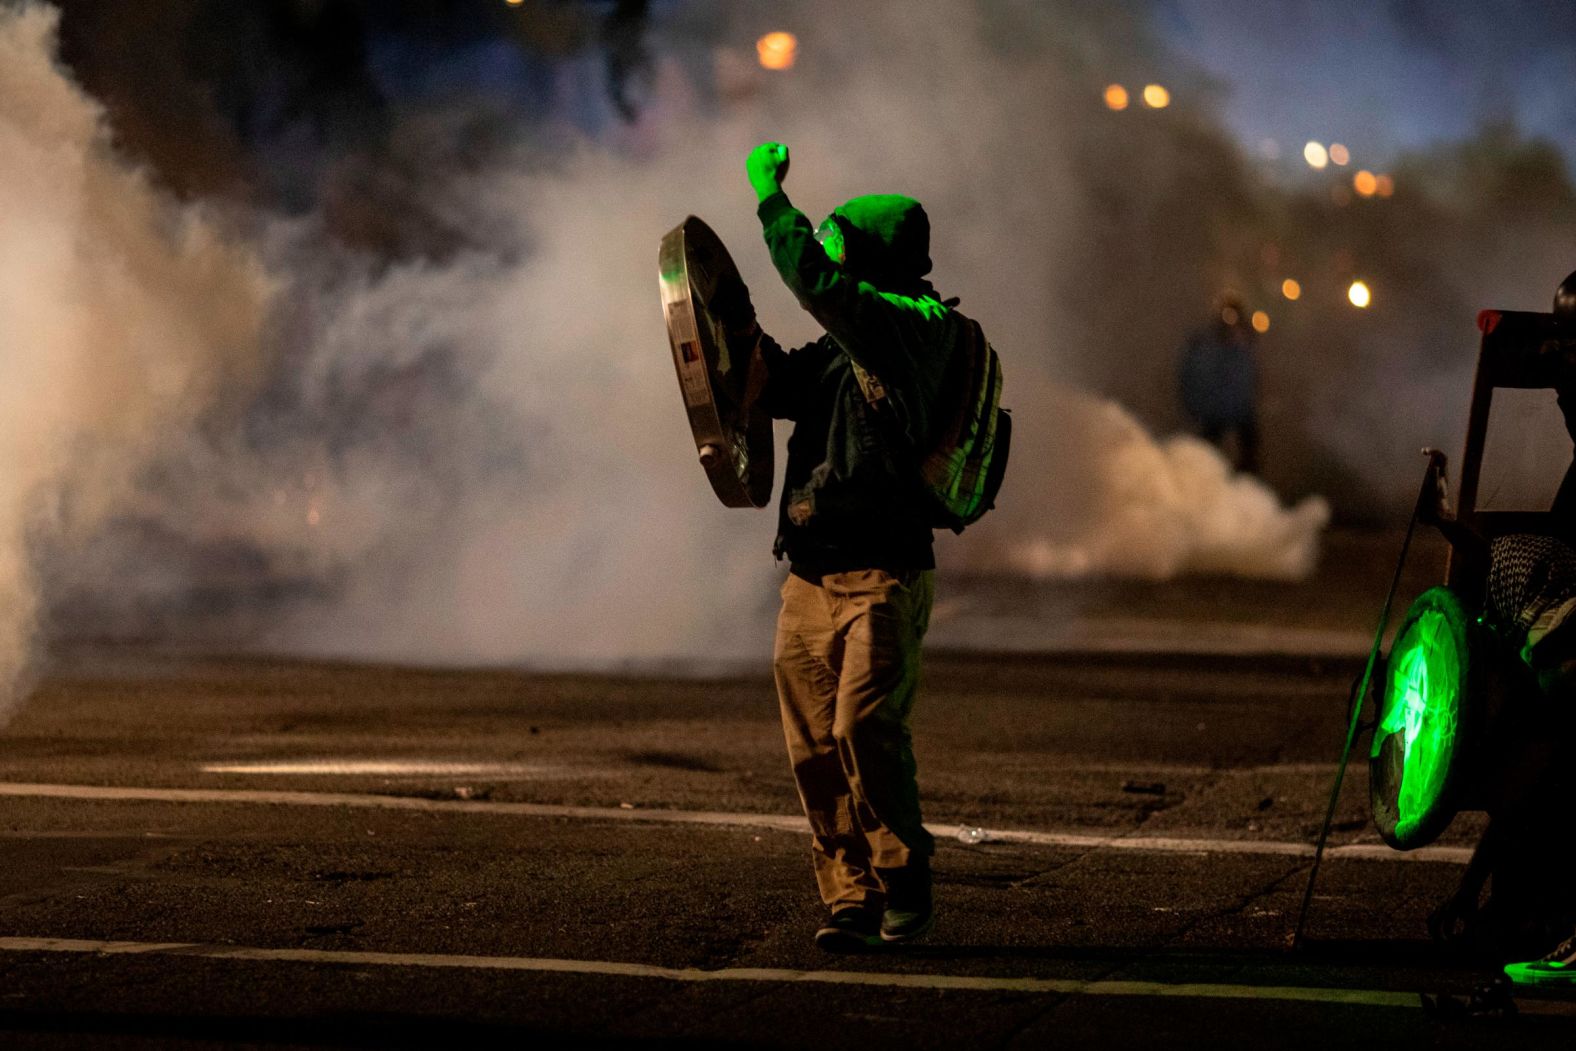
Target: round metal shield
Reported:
[(1426, 722), (721, 379)]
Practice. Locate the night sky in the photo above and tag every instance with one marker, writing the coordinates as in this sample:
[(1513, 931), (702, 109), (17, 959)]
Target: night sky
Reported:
[(1382, 76)]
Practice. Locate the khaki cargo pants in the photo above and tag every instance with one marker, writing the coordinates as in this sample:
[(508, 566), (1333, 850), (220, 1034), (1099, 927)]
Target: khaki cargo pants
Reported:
[(846, 662)]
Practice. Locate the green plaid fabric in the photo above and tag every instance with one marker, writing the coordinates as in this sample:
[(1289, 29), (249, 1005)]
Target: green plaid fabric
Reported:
[(958, 464)]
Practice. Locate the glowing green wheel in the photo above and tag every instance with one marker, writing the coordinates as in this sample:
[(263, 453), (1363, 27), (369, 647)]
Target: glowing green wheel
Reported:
[(1426, 701)]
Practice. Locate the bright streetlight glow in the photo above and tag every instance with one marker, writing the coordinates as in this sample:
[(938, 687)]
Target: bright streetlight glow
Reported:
[(1316, 155), (777, 50), (1291, 289), (1156, 97), (1339, 154), (1261, 321), (1365, 183), (1359, 295), (1116, 97)]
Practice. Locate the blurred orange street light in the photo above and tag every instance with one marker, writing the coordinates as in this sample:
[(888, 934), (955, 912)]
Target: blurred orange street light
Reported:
[(1156, 97), (1339, 154), (1359, 295), (1384, 186), (1365, 183), (777, 50), (1291, 289), (514, 3), (1261, 321), (1316, 155), (1116, 97)]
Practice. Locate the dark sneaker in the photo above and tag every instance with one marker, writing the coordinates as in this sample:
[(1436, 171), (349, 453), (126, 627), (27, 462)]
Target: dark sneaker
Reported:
[(1557, 968), (1551, 640), (910, 912), (852, 928)]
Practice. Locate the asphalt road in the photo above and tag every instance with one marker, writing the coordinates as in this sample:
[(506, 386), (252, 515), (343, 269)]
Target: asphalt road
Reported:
[(204, 852)]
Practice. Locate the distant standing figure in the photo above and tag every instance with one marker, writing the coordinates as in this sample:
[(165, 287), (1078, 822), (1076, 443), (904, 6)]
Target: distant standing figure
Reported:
[(1219, 378)]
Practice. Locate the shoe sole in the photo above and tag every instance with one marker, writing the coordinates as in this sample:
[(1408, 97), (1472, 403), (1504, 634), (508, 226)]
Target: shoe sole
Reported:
[(1522, 975), (844, 944), (910, 936), (838, 940)]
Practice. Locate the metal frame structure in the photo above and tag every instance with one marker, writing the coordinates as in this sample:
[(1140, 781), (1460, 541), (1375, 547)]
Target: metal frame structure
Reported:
[(1519, 350)]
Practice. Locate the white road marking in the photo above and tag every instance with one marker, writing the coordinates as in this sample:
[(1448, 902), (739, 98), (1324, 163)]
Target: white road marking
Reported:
[(349, 767), (398, 768), (988, 632), (1060, 986), (727, 819), (414, 769)]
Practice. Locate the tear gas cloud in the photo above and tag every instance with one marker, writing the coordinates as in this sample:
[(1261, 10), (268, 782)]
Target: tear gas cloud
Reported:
[(124, 317), (479, 454)]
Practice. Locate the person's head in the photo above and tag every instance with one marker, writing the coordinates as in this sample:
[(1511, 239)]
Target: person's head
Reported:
[(1565, 301), (883, 239), (1230, 310)]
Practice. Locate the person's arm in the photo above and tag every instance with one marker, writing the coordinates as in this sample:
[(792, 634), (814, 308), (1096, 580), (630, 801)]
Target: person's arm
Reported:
[(1564, 505), (1433, 508), (1257, 374), (790, 377), (865, 322)]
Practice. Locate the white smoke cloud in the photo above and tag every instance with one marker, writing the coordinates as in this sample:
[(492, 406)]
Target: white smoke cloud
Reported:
[(485, 459), (615, 549), (1129, 505), (125, 318)]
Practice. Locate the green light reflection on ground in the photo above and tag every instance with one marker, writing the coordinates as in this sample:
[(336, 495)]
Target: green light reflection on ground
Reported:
[(1422, 702)]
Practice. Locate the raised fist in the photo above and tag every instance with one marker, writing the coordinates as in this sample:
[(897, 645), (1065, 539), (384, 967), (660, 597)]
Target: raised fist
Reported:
[(767, 167)]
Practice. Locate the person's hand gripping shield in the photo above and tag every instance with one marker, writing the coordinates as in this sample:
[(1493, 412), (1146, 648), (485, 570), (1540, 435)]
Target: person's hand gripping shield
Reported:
[(715, 343)]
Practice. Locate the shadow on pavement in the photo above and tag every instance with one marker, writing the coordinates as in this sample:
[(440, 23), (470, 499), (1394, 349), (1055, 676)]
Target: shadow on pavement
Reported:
[(40, 1029), (1410, 956)]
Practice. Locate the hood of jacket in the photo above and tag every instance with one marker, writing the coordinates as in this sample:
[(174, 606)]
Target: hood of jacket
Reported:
[(888, 242)]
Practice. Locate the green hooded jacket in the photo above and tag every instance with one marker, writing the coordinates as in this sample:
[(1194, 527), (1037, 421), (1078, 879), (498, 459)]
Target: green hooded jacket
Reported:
[(851, 495)]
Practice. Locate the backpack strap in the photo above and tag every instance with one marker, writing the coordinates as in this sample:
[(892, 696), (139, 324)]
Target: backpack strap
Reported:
[(869, 384)]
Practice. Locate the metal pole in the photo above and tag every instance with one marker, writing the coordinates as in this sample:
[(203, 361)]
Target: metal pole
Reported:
[(1429, 492)]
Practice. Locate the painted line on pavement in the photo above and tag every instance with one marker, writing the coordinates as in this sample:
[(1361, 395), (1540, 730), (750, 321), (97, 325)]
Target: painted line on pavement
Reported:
[(1062, 986), (362, 767), (399, 768), (724, 819)]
